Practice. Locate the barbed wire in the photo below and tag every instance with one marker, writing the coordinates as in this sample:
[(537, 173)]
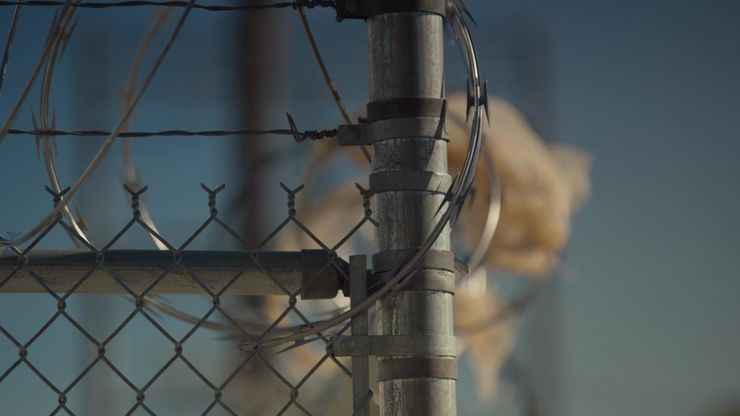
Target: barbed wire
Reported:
[(455, 197), (55, 32), (330, 85), (295, 4), (399, 276), (9, 45), (298, 135)]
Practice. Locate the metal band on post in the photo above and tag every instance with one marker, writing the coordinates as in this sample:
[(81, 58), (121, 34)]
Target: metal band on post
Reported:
[(406, 107), (391, 345), (445, 368), (437, 269), (363, 9), (392, 128), (433, 259)]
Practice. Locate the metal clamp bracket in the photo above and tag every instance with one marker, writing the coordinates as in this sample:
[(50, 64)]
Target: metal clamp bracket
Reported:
[(437, 268), (394, 345), (417, 367), (406, 107), (425, 279), (362, 9), (369, 133), (432, 259)]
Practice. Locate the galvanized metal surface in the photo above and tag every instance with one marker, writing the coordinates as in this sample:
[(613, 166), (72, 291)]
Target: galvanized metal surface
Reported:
[(406, 60), (411, 154)]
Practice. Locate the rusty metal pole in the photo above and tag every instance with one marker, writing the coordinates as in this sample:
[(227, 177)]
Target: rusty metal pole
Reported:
[(406, 84)]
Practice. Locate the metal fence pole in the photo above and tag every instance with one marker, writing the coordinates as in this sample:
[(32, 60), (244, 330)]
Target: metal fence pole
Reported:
[(409, 180)]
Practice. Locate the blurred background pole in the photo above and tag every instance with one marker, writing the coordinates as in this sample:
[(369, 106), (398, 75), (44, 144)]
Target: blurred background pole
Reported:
[(95, 102), (254, 57), (406, 62), (260, 56), (533, 58)]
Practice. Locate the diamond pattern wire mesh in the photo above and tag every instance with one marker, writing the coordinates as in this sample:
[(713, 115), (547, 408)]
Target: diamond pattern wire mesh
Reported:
[(140, 307)]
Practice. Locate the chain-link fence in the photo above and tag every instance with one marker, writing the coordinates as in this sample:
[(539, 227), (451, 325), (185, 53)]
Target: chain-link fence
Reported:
[(184, 340), (141, 277)]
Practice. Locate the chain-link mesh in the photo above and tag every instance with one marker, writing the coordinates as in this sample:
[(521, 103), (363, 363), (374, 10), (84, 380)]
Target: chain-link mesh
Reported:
[(152, 359), (155, 352), (290, 371)]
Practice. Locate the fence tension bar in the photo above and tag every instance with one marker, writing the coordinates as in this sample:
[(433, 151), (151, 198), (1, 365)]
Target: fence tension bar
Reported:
[(361, 393)]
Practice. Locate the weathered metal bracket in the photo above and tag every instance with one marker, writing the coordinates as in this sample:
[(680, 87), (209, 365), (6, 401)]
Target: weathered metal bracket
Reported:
[(406, 107), (432, 259), (361, 392), (393, 345), (435, 270), (440, 363), (417, 367), (369, 133), (362, 9), (430, 280)]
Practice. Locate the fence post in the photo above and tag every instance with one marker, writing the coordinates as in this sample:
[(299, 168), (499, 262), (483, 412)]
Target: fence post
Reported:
[(409, 180)]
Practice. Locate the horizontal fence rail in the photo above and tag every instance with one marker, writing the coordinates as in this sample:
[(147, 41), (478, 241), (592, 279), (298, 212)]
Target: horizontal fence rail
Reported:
[(278, 273)]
